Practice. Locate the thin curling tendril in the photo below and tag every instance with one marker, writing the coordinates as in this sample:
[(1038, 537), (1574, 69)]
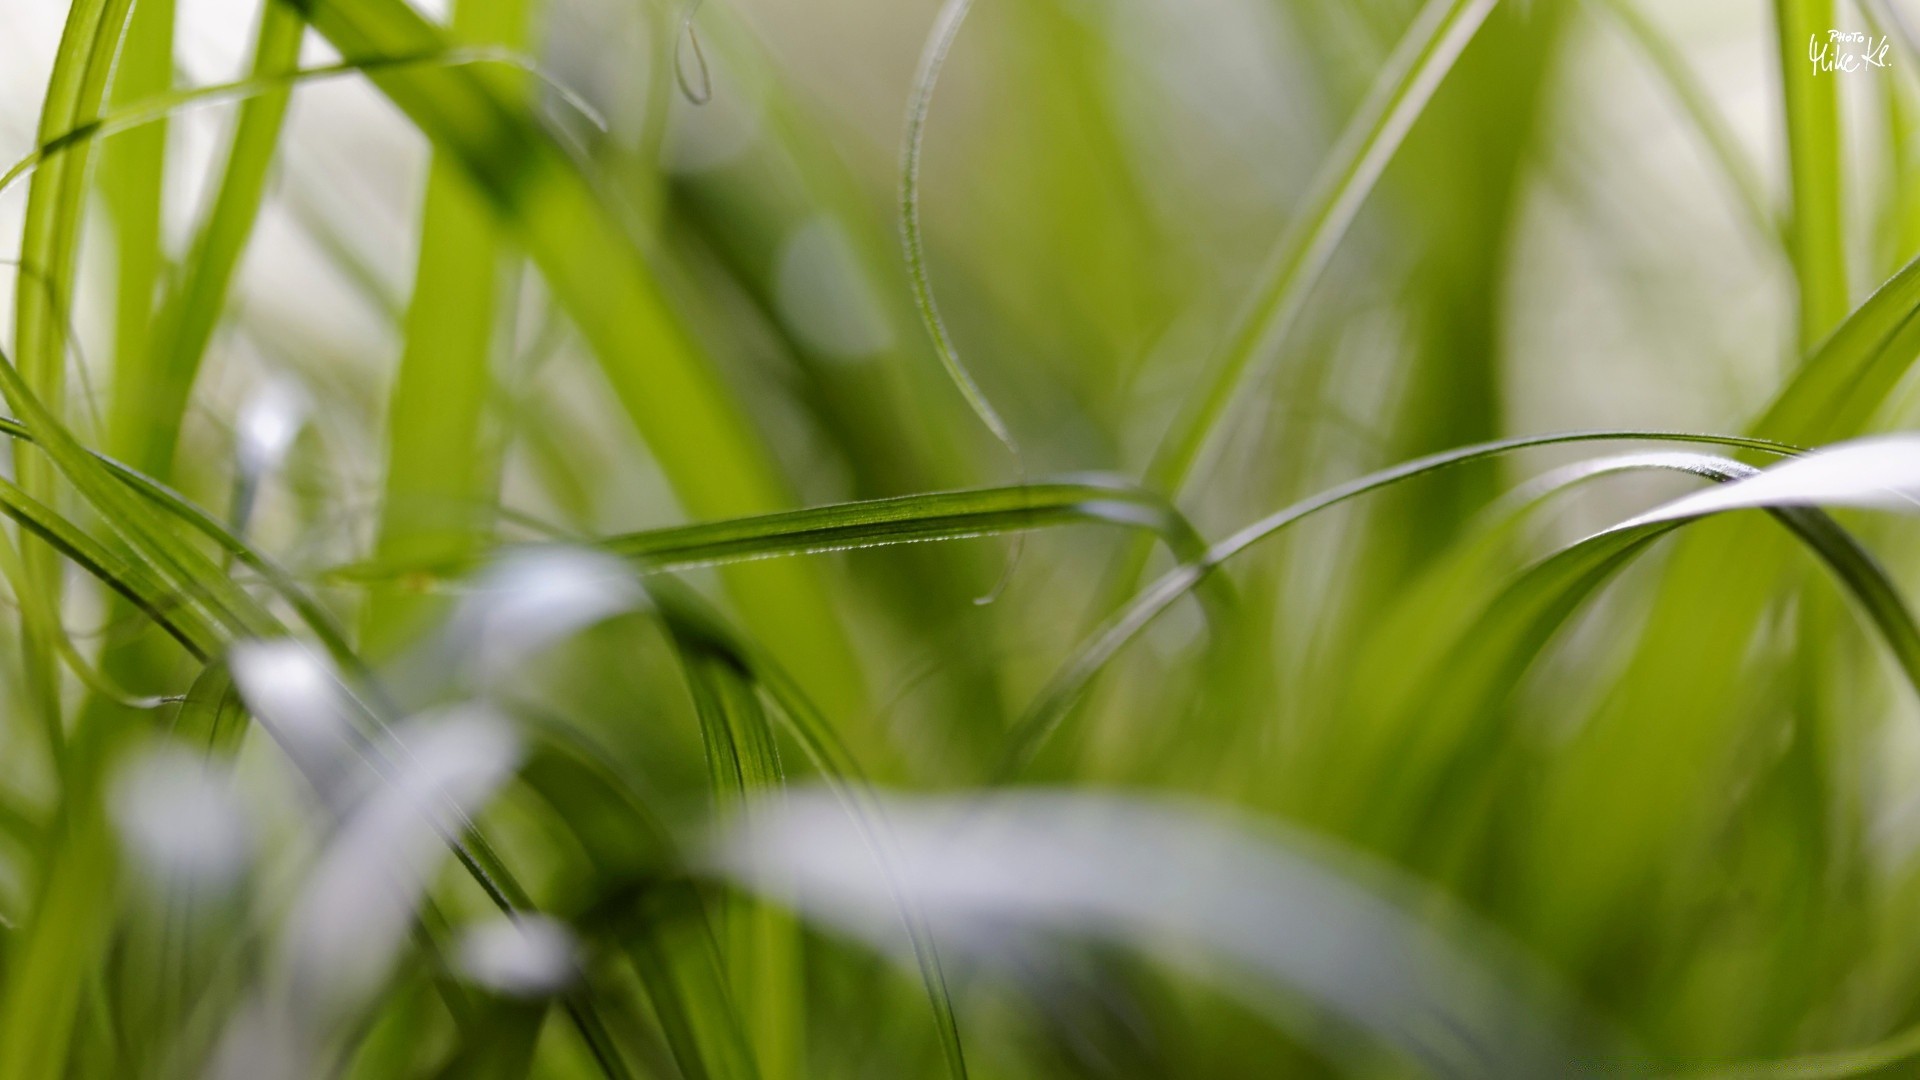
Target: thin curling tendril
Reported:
[(689, 35), (946, 27)]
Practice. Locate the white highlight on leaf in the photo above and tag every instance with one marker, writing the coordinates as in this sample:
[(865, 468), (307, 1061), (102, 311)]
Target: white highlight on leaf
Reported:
[(1879, 473), (529, 956), (297, 697), (1274, 909), (269, 422), (357, 905), (532, 599), (181, 820)]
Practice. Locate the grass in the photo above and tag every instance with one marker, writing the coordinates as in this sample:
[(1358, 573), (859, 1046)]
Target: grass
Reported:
[(743, 589)]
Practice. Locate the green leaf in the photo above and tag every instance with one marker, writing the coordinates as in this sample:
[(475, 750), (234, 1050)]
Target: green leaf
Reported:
[(1815, 227), (1070, 682), (1439, 33), (151, 397), (440, 477), (704, 442)]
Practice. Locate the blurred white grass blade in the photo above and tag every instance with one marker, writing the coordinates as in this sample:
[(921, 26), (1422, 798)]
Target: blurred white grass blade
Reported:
[(296, 696), (262, 1042), (1880, 473), (356, 907), (1276, 909), (269, 421), (1710, 466), (533, 598), (824, 296), (181, 820), (525, 957)]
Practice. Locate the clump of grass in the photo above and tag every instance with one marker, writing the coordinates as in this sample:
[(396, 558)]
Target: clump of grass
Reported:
[(587, 683)]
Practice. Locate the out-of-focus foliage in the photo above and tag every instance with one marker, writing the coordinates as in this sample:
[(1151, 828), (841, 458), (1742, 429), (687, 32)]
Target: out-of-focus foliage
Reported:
[(576, 538)]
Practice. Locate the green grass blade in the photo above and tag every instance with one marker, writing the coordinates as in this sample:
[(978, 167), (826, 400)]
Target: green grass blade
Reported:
[(946, 27), (694, 620), (151, 403), (761, 944), (877, 523), (131, 173), (1440, 32), (1846, 380), (43, 291), (1815, 227), (698, 433), (155, 109), (439, 477), (1069, 684)]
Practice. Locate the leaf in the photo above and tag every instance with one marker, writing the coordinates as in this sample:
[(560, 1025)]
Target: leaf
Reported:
[(1438, 35), (440, 474), (131, 177), (704, 442), (151, 397), (1264, 907), (1070, 682), (1878, 473), (693, 620), (761, 944), (946, 27), (1815, 232)]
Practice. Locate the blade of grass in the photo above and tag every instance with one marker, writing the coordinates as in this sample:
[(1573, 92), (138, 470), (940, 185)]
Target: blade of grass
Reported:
[(438, 475), (1070, 682), (150, 399), (761, 944), (1815, 227), (49, 258), (157, 108), (875, 523), (946, 27), (131, 173), (1446, 710), (704, 443), (1848, 378), (694, 620), (1439, 33)]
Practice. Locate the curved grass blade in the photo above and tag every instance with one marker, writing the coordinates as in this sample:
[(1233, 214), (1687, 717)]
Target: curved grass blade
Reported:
[(149, 111), (1847, 379), (762, 946), (1051, 706), (946, 27), (49, 259), (1449, 708), (910, 519), (695, 621), (154, 598), (871, 523)]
